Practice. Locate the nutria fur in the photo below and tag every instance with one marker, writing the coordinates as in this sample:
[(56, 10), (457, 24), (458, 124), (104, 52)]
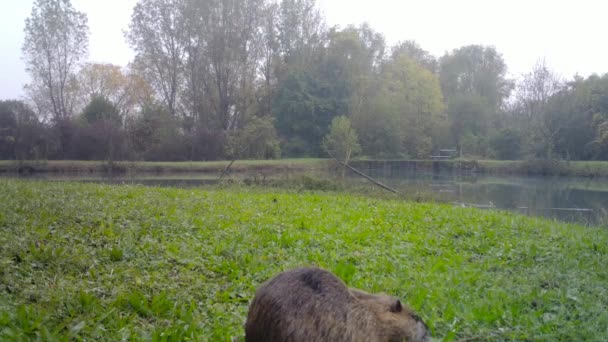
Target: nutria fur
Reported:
[(311, 304)]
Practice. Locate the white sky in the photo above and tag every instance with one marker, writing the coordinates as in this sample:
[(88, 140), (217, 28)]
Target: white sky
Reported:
[(570, 35)]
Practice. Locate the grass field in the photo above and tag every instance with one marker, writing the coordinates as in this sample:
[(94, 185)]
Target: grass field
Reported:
[(99, 262)]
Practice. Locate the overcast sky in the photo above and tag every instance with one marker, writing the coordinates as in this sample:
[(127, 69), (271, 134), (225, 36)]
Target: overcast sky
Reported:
[(570, 35)]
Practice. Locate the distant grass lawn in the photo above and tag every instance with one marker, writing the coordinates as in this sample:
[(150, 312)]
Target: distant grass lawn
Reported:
[(99, 262), (136, 166), (512, 167)]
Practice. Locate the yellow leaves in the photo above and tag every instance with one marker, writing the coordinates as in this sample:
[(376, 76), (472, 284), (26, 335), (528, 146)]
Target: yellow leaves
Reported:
[(125, 90)]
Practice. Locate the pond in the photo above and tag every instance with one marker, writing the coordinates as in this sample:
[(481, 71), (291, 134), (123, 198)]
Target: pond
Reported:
[(570, 199)]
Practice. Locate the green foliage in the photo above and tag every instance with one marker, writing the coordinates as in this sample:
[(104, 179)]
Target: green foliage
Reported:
[(412, 95), (475, 84), (412, 50), (101, 109), (599, 146), (257, 140), (208, 76), (155, 135), (379, 128), (310, 96), (588, 118), (469, 117), (506, 144), (342, 141), (476, 70), (192, 259), (304, 105), (473, 146), (21, 134)]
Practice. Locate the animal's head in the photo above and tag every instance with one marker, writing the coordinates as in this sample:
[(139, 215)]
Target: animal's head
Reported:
[(399, 322)]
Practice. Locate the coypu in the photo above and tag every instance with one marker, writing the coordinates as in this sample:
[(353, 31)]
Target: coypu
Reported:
[(312, 304)]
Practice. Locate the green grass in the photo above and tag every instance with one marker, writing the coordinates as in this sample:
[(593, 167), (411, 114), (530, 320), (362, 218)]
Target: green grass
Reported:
[(500, 167), (98, 262), (545, 167)]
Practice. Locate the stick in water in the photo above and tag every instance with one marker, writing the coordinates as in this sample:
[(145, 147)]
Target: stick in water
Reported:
[(386, 187)]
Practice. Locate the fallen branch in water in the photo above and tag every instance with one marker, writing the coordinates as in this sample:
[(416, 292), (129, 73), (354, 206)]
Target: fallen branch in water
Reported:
[(386, 187), (226, 169)]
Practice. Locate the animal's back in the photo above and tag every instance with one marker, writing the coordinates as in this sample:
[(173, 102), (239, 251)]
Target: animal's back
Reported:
[(311, 304), (299, 301)]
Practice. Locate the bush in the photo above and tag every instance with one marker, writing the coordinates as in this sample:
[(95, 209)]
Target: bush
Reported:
[(506, 144)]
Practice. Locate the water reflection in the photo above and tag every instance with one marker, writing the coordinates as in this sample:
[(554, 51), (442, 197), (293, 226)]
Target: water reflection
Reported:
[(570, 199)]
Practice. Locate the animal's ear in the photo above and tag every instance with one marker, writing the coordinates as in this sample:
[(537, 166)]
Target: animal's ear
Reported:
[(396, 306)]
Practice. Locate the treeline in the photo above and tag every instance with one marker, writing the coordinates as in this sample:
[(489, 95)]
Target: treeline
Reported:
[(219, 79)]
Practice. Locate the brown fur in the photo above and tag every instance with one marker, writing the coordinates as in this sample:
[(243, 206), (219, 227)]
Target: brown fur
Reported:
[(311, 304)]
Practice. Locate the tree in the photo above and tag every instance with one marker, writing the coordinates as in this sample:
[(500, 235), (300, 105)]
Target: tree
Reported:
[(599, 146), (548, 128), (412, 50), (22, 136), (536, 88), (533, 116), (356, 53), (305, 104), (597, 103), (342, 141), (232, 28), (257, 140), (101, 135), (506, 144), (101, 109), (156, 33), (475, 70), (474, 76), (585, 114), (155, 135), (413, 94), (56, 39), (379, 127), (301, 30), (341, 81), (468, 115), (109, 82), (270, 58)]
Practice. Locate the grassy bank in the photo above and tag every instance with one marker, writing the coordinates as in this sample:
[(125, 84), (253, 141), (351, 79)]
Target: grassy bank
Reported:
[(545, 168), (497, 167), (97, 262), (74, 166)]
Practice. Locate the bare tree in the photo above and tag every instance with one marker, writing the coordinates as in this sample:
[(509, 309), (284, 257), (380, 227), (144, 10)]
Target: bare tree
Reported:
[(541, 121), (301, 28), (269, 46), (535, 89), (156, 33), (56, 40), (232, 52)]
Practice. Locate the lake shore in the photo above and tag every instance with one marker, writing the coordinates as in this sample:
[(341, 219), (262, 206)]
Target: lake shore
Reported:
[(78, 166), (493, 167), (146, 262)]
